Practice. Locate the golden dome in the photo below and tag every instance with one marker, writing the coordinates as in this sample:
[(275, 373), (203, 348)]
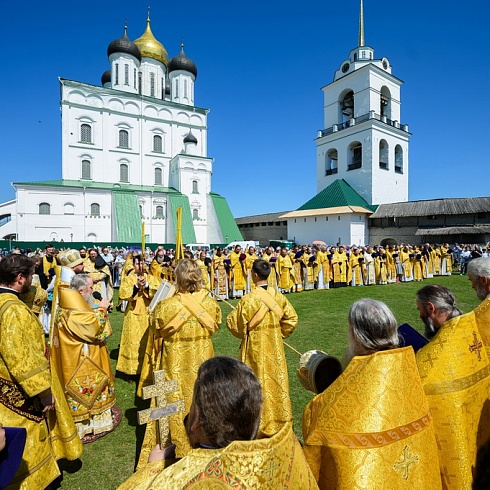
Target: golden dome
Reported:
[(150, 47)]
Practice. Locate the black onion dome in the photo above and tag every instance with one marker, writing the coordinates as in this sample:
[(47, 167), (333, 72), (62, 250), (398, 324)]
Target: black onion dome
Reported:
[(190, 138), (182, 62), (106, 77), (124, 45)]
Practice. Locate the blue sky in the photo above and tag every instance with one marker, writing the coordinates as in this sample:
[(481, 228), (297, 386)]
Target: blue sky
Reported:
[(261, 65)]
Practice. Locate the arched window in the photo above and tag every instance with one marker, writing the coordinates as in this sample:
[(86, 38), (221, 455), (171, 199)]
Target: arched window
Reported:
[(355, 156), (94, 209), (123, 173), (123, 139), (44, 208), (69, 208), (331, 164), (85, 133), (383, 155), (398, 159), (86, 170), (158, 176), (385, 102), (195, 214), (159, 211), (195, 187), (347, 106), (157, 143)]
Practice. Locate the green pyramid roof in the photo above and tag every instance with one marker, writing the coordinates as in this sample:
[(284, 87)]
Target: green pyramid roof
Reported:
[(338, 193)]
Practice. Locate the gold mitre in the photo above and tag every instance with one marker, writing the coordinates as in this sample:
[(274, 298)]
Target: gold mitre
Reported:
[(317, 370), (69, 258)]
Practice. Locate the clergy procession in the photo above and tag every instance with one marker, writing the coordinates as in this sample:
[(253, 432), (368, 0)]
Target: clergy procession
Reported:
[(401, 410)]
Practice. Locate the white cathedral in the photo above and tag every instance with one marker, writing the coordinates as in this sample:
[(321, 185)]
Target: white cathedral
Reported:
[(133, 150), (362, 154)]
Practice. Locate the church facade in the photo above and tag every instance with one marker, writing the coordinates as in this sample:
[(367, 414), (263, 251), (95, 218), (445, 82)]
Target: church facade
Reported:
[(133, 150)]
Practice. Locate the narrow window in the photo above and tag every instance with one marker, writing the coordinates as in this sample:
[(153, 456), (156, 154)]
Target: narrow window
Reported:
[(185, 88), (331, 162), (123, 173), (135, 78), (158, 176), (152, 84), (195, 188), (383, 155), (398, 159), (140, 82), (157, 143), (85, 133), (44, 208), (86, 170), (94, 209), (195, 214), (159, 211), (117, 73), (126, 74), (355, 156), (176, 96), (123, 139)]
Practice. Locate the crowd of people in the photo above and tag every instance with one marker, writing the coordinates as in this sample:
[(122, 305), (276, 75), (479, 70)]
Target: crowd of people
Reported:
[(400, 414)]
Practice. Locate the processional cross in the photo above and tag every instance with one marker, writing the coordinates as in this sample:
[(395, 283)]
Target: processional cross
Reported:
[(162, 411)]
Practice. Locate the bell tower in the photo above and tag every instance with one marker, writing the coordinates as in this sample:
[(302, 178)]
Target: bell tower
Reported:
[(364, 142)]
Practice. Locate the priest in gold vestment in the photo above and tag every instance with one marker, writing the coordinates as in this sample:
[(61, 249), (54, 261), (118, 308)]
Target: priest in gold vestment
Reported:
[(479, 275), (185, 322), (80, 356), (29, 392), (262, 319), (284, 268), (371, 428), (218, 275), (455, 373), (238, 272), (137, 288), (405, 260), (341, 272), (221, 427)]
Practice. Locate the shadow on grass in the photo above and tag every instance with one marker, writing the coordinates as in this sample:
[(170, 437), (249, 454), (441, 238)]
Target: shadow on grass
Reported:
[(65, 466), (131, 415), (114, 354)]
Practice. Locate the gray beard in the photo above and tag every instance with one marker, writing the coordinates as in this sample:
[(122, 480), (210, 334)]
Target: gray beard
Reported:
[(429, 330), (90, 301)]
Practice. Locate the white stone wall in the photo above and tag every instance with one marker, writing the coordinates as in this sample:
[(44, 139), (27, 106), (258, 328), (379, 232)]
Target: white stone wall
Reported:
[(182, 87), (344, 228), (108, 112)]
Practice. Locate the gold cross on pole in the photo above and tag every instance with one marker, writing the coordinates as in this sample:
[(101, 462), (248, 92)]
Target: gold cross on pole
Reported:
[(162, 411), (476, 346)]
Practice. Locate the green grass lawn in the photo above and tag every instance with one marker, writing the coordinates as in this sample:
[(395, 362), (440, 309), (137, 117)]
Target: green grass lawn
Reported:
[(109, 461)]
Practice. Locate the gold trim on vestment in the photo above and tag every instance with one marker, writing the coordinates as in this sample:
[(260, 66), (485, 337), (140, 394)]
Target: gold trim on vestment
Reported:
[(364, 440), (460, 384), (28, 375)]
